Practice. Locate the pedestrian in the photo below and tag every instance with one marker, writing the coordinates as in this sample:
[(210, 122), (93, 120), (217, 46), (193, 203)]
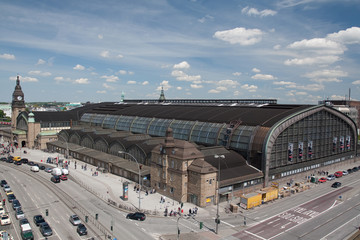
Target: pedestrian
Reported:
[(146, 192), (4, 201), (189, 211), (196, 209), (164, 199)]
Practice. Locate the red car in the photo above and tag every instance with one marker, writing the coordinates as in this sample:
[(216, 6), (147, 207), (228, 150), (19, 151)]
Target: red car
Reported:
[(323, 179), (63, 177), (338, 174)]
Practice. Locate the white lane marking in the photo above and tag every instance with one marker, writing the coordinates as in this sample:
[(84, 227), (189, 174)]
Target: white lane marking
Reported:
[(324, 238), (255, 235)]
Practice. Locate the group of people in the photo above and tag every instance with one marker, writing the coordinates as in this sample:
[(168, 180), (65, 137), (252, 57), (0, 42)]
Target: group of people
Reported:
[(192, 212)]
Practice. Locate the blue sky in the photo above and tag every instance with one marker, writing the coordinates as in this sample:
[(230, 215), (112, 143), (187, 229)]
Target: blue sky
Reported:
[(294, 51)]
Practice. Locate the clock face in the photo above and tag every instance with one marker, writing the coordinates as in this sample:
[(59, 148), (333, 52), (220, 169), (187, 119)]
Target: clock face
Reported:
[(19, 98)]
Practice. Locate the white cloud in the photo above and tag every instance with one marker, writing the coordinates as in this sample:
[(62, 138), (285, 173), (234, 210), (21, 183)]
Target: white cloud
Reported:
[(131, 82), (145, 83), (277, 47), (326, 73), (357, 82), (310, 87), (105, 54), (107, 86), (25, 79), (101, 91), (242, 36), (256, 70), (213, 91), (204, 19), (313, 60), (40, 62), (122, 72), (318, 46), (182, 65), (100, 36), (178, 88), (237, 73), (119, 56), (82, 81), (263, 77), (283, 83), (228, 82), (164, 85), (181, 76), (79, 67), (39, 73), (253, 11), (196, 86), (301, 93), (58, 79), (250, 88), (111, 78), (7, 56), (348, 36)]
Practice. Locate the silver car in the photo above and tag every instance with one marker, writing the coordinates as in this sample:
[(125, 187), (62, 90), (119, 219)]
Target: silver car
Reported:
[(75, 220), (19, 214)]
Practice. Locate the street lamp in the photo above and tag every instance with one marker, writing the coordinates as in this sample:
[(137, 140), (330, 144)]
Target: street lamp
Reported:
[(218, 195), (139, 171)]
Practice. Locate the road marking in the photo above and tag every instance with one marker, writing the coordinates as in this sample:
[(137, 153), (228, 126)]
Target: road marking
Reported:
[(324, 238), (255, 235), (228, 224), (284, 226), (274, 221)]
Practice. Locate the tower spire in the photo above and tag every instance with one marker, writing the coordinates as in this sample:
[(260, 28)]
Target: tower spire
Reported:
[(162, 95)]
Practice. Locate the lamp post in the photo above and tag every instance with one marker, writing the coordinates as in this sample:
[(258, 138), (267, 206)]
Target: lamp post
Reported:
[(139, 171), (218, 195)]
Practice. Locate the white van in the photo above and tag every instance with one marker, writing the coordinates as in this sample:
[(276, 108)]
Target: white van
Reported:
[(56, 171), (34, 168)]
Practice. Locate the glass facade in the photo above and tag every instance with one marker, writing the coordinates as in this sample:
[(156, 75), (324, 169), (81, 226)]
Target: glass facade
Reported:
[(110, 121), (319, 135), (124, 123), (158, 126), (206, 133)]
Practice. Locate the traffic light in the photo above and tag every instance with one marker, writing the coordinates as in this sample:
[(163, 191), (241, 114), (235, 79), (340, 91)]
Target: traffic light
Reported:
[(86, 218), (96, 216), (46, 212), (201, 225)]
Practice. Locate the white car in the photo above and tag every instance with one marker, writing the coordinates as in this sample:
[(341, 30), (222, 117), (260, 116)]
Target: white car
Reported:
[(345, 172), (19, 214), (2, 210), (5, 220), (34, 168), (7, 188)]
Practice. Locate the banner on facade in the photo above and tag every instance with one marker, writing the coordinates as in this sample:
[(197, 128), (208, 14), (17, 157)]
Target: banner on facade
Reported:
[(290, 152), (310, 148), (301, 148)]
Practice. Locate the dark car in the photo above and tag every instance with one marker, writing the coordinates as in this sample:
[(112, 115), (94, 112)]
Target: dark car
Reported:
[(9, 160), (31, 163), (11, 197), (24, 160), (38, 219), (3, 159), (136, 216), (23, 221), (42, 167), (349, 170), (355, 169), (16, 204), (336, 184), (81, 229), (45, 229), (3, 182), (55, 179), (17, 162)]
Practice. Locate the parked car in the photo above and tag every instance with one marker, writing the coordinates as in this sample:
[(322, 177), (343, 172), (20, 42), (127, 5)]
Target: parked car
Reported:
[(9, 193), (3, 159), (7, 188), (16, 204), (63, 177), (331, 177), (5, 219), (345, 172), (31, 163), (336, 184), (136, 216), (338, 174), (2, 210), (19, 214), (17, 162), (48, 169), (45, 229), (75, 220), (323, 179), (55, 179), (23, 221), (3, 182), (355, 169), (42, 167), (34, 168), (24, 160), (349, 170), (81, 229), (38, 219), (11, 197)]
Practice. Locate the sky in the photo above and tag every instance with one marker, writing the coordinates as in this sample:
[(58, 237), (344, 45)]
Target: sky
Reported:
[(295, 51)]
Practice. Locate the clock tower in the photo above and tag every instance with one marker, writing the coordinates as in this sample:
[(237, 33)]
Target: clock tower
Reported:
[(18, 103)]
